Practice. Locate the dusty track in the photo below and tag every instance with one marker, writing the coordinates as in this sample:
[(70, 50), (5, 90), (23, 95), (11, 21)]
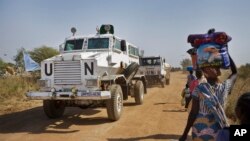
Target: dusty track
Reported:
[(160, 118)]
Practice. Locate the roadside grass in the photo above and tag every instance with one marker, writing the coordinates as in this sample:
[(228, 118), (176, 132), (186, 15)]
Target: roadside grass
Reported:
[(241, 86), (13, 90)]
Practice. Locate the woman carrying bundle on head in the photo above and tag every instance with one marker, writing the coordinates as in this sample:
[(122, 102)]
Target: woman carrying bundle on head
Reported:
[(207, 115)]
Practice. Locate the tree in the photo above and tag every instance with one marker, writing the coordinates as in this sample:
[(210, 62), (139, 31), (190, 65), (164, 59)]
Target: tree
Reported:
[(185, 63), (2, 66), (19, 58), (42, 53)]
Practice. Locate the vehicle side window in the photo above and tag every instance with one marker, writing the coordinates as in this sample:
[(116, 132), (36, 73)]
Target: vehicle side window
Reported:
[(133, 51), (117, 44)]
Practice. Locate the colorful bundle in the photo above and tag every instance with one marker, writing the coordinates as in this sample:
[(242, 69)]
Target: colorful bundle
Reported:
[(210, 50), (220, 38)]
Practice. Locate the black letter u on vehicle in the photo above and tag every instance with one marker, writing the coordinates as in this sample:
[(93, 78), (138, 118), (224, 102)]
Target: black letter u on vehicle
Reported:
[(50, 69)]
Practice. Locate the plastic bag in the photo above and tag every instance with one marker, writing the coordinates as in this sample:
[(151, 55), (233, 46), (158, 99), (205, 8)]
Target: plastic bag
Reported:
[(212, 55)]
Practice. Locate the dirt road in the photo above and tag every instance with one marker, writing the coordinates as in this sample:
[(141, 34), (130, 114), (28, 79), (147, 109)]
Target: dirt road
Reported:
[(160, 118)]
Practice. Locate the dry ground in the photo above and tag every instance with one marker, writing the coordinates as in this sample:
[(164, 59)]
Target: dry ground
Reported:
[(161, 117)]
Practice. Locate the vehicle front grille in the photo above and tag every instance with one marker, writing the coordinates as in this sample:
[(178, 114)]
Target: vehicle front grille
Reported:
[(150, 72), (67, 72)]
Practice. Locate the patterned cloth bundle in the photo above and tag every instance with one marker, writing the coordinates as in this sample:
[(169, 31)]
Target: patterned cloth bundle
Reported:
[(209, 50)]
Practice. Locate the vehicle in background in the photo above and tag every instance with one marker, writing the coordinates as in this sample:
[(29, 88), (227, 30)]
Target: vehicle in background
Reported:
[(156, 70)]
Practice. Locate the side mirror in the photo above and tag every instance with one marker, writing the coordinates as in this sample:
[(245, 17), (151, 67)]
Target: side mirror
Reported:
[(123, 45)]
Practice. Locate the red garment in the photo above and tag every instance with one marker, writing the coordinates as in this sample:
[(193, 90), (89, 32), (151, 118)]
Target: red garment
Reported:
[(193, 84)]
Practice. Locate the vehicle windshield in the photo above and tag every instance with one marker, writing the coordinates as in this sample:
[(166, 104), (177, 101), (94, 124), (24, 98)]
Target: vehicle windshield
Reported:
[(98, 43), (73, 45), (150, 61)]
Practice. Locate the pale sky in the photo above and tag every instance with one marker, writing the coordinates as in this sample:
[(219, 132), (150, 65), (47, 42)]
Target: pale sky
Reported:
[(159, 27)]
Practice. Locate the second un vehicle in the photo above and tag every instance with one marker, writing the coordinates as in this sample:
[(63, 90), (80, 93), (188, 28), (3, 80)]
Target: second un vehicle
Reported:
[(91, 71), (156, 70)]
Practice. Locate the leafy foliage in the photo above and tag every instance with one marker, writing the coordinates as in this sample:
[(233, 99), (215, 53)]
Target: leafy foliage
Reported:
[(185, 63), (19, 58), (42, 53), (2, 66)]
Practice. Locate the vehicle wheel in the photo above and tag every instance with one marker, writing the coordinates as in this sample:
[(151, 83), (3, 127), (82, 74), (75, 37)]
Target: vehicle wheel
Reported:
[(167, 81), (84, 106), (53, 108), (115, 104), (139, 92), (131, 69), (162, 84)]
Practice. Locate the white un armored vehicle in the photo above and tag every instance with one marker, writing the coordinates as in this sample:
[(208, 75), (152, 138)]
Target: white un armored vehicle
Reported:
[(155, 69), (91, 70)]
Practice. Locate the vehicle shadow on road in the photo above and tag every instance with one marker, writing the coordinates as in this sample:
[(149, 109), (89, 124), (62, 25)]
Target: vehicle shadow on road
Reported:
[(175, 110), (155, 137), (155, 86), (128, 104), (34, 121), (160, 103)]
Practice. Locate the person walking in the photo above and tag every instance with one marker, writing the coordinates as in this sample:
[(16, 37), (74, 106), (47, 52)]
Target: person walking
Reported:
[(193, 84), (190, 79), (185, 95), (207, 115)]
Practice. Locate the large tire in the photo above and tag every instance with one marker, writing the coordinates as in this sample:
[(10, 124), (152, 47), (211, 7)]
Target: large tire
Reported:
[(115, 104), (139, 93), (131, 69), (162, 84), (167, 81), (53, 108)]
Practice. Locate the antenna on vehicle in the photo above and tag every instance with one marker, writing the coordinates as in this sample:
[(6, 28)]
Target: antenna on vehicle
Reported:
[(73, 31), (97, 30)]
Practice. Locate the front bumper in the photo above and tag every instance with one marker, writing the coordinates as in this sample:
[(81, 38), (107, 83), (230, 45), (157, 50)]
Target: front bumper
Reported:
[(154, 79), (80, 95)]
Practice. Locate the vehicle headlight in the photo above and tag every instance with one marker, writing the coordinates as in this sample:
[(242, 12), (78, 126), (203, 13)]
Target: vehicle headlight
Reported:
[(53, 90), (74, 90)]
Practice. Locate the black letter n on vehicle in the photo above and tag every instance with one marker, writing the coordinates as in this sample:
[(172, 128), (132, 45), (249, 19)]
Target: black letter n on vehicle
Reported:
[(50, 69), (86, 67)]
